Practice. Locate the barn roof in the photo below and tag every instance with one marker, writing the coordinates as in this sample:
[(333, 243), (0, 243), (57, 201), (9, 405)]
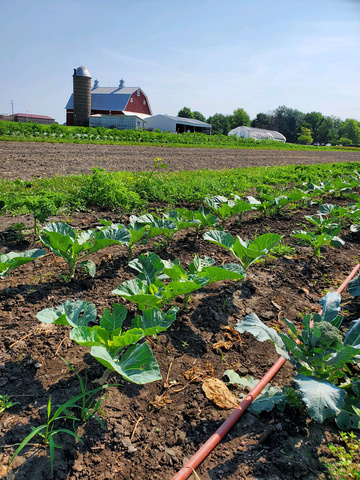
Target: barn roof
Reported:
[(185, 121), (29, 115), (109, 98)]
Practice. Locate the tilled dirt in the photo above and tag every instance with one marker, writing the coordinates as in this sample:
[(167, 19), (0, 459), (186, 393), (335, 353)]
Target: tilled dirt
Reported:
[(26, 160), (150, 431)]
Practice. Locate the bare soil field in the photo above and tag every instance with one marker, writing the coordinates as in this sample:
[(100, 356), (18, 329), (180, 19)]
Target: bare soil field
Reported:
[(26, 160), (150, 431)]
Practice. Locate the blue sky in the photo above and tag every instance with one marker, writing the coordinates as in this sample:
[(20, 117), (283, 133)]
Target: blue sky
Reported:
[(210, 56)]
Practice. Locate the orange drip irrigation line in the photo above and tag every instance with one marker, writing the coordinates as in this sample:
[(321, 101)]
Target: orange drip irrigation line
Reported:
[(211, 443)]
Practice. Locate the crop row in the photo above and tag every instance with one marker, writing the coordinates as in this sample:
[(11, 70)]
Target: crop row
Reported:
[(324, 361), (100, 135)]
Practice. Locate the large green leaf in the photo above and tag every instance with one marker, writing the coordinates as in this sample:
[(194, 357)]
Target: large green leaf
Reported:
[(267, 401), (261, 332), (339, 359), (176, 288), (266, 242), (113, 321), (139, 292), (57, 242), (230, 271), (110, 236), (12, 260), (348, 417), (137, 365), (89, 336), (161, 227), (154, 321), (130, 337), (220, 238), (148, 265), (61, 228), (354, 286), (353, 335), (75, 314), (323, 399)]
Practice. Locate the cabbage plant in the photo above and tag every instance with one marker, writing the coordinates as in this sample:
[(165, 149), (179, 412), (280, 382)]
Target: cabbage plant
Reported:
[(159, 281), (73, 246), (108, 340), (246, 251)]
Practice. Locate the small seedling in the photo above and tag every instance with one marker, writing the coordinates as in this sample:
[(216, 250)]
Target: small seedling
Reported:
[(6, 403), (346, 465), (47, 431)]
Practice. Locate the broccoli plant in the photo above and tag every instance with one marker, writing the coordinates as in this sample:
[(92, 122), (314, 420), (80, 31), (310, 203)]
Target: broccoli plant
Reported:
[(323, 358)]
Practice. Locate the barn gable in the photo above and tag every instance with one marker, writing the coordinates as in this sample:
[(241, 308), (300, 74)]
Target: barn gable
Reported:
[(113, 101)]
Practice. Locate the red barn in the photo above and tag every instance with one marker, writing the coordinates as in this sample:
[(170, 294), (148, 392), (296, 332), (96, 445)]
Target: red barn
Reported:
[(119, 100)]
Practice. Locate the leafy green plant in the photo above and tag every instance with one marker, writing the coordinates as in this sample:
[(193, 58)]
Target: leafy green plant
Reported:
[(271, 204), (154, 227), (225, 208), (346, 465), (89, 406), (48, 431), (322, 358), (103, 189), (246, 251), (107, 340), (317, 241), (42, 206), (324, 225), (73, 246), (151, 288), (6, 403), (11, 260), (16, 232)]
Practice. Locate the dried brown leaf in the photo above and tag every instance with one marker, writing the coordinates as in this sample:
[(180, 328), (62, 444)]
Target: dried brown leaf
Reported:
[(199, 372), (216, 391), (223, 344)]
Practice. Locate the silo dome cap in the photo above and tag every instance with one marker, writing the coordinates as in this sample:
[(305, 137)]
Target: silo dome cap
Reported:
[(81, 72)]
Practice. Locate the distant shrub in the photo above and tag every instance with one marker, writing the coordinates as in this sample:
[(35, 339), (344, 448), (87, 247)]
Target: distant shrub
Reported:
[(103, 190)]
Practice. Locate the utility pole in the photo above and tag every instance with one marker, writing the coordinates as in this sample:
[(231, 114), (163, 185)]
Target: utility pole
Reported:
[(12, 107)]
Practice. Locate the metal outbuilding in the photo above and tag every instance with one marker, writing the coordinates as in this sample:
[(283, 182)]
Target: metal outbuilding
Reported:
[(257, 134), (176, 124)]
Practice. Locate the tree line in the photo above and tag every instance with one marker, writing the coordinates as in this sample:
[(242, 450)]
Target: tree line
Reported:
[(296, 126)]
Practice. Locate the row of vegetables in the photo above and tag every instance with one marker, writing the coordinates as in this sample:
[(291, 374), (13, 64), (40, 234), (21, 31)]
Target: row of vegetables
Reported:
[(324, 359)]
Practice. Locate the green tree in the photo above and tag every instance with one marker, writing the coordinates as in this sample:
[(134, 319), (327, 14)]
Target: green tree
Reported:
[(314, 119), (220, 123), (263, 120), (239, 118), (325, 133), (286, 121), (351, 130), (185, 112), (304, 136), (199, 116)]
